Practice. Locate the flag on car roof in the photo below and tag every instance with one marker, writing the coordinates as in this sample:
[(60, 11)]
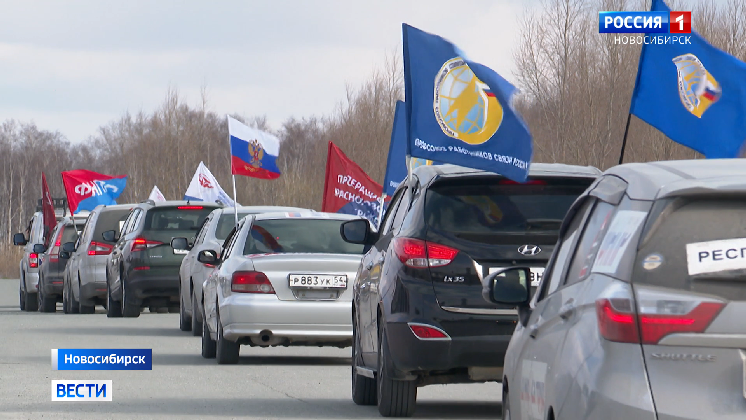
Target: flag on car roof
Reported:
[(87, 189), (396, 164), (347, 188), (460, 111), (156, 195), (204, 187), (253, 152), (47, 207), (693, 93)]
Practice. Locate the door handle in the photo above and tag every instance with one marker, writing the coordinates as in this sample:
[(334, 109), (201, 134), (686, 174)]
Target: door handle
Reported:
[(381, 259), (364, 285), (369, 265), (567, 310), (533, 331)]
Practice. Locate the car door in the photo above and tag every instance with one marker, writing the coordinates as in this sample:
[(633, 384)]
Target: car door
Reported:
[(367, 303), (117, 252), (216, 280), (189, 265), (544, 331)]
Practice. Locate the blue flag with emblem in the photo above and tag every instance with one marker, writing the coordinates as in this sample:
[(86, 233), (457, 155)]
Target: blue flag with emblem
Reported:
[(460, 111), (693, 93)]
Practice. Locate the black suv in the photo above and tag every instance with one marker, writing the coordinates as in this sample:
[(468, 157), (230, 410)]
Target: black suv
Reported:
[(143, 269), (52, 264), (419, 317)]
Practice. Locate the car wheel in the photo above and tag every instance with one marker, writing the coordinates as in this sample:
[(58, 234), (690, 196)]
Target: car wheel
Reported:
[(196, 317), (363, 388), (227, 350), (395, 398), (44, 302), (129, 308), (22, 295), (208, 344), (185, 321), (113, 307), (506, 402), (65, 297)]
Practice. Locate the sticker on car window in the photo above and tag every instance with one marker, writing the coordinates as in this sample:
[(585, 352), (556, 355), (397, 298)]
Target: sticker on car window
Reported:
[(715, 256), (621, 231)]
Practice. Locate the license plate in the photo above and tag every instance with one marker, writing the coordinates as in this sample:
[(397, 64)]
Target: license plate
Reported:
[(536, 274), (181, 251), (318, 281)]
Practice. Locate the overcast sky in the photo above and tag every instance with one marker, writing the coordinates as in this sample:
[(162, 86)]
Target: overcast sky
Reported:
[(73, 66)]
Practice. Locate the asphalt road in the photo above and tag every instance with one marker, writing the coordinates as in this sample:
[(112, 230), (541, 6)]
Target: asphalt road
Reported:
[(268, 383)]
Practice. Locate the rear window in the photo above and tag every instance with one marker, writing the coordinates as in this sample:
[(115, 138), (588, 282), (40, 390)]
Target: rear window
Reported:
[(697, 245), (226, 223), (298, 236), (171, 219), (471, 208), (109, 220), (69, 234)]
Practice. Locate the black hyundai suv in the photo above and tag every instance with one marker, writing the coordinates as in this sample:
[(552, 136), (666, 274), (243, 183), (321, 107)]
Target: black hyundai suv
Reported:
[(143, 269), (419, 317)]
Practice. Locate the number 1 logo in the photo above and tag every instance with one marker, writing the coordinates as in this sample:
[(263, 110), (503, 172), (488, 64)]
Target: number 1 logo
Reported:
[(680, 23)]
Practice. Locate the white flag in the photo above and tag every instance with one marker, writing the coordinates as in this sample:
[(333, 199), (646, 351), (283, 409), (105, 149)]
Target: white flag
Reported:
[(204, 187), (156, 195)]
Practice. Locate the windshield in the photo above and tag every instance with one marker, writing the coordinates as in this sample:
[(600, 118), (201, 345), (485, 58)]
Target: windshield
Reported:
[(498, 206), (298, 236)]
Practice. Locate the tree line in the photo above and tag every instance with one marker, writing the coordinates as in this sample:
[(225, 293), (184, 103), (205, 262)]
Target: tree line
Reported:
[(575, 86)]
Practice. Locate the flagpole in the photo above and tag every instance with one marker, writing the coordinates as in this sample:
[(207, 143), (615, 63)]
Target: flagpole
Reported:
[(235, 200), (380, 208), (409, 166), (624, 139)]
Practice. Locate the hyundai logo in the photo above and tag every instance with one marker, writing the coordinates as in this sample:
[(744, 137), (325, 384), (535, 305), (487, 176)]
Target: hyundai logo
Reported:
[(529, 249)]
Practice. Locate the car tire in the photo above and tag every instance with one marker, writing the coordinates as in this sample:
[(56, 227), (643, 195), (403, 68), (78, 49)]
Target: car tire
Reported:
[(113, 307), (44, 302), (505, 402), (65, 298), (185, 321), (196, 317), (22, 295), (363, 388), (395, 398), (209, 346), (227, 350), (130, 309)]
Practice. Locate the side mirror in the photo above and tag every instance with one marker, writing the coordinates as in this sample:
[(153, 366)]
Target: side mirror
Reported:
[(208, 257), (39, 248), (110, 236), (508, 286), (64, 255), (180, 243), (68, 247), (19, 239), (358, 232)]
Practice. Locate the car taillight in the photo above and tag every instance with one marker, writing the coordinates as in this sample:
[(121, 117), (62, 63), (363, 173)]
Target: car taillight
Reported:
[(529, 182), (658, 314), (99, 248), (190, 207), (33, 260), (427, 332), (142, 244), (251, 282), (417, 253)]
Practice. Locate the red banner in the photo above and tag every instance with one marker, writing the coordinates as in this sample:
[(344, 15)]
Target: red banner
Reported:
[(47, 206), (347, 188)]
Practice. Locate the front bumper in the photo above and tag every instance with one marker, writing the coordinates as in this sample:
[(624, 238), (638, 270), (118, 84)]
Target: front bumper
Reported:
[(249, 315)]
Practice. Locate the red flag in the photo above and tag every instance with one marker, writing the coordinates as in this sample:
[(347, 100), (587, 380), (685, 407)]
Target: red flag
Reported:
[(347, 188), (47, 207)]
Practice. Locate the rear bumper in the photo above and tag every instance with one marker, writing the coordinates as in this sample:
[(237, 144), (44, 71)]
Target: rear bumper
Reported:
[(52, 286), (410, 354), (157, 284), (251, 315), (92, 290), (32, 281)]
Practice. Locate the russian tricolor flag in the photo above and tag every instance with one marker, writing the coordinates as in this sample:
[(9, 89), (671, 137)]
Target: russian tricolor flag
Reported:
[(253, 152)]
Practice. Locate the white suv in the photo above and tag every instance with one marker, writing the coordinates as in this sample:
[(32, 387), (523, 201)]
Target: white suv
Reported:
[(29, 265)]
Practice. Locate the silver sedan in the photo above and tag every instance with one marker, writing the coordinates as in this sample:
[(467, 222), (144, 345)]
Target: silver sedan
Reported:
[(282, 279)]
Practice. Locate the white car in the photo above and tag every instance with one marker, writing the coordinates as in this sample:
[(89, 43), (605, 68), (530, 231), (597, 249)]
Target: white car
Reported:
[(282, 279)]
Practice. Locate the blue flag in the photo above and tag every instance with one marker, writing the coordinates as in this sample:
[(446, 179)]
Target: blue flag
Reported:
[(693, 93), (396, 164), (460, 111)]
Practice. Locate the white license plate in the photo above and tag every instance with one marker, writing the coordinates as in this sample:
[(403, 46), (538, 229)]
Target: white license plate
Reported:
[(181, 251), (318, 281), (536, 274)]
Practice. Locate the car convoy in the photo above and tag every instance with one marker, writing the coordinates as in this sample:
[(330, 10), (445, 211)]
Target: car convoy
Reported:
[(586, 294)]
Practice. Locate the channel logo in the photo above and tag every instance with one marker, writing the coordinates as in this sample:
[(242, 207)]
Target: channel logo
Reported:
[(644, 22), (102, 359), (81, 390)]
